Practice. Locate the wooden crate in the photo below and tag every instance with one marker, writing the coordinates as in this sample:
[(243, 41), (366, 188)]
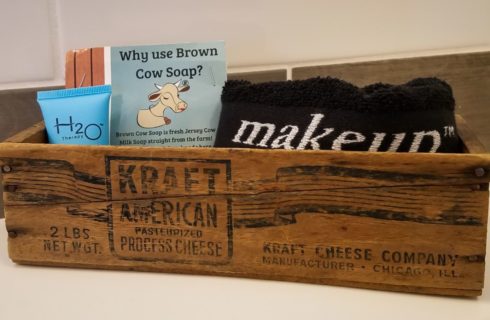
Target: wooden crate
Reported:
[(389, 221)]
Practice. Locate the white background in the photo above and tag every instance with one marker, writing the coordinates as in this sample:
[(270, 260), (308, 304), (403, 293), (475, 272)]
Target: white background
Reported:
[(35, 34)]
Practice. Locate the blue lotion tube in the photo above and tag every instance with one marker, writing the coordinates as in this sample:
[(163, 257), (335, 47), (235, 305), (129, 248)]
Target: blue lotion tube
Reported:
[(76, 116)]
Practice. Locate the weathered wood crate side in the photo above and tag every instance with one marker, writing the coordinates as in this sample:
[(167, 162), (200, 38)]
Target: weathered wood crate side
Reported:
[(403, 222)]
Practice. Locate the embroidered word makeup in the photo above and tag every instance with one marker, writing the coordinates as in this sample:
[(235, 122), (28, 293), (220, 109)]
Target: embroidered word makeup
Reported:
[(264, 135)]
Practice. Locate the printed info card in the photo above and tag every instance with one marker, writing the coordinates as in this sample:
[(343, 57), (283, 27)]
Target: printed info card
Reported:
[(165, 95)]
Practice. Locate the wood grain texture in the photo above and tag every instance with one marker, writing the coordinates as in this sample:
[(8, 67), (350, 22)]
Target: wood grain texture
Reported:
[(98, 67), (83, 68), (471, 142), (373, 220), (468, 74), (34, 134), (20, 114), (402, 222), (70, 69)]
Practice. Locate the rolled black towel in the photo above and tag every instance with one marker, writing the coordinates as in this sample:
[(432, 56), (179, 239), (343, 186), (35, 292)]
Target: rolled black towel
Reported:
[(328, 113)]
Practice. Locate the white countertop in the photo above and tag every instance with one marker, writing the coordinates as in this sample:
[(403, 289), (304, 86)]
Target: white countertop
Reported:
[(56, 293)]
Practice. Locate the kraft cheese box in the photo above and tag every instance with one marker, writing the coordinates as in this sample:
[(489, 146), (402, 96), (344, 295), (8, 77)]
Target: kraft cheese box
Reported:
[(162, 95)]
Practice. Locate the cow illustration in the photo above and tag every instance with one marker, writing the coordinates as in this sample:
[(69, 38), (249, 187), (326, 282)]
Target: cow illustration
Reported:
[(167, 97)]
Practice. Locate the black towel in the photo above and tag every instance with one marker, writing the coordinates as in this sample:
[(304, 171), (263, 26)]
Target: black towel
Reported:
[(328, 113)]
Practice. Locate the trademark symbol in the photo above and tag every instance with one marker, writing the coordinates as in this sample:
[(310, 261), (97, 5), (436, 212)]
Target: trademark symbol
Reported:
[(449, 131)]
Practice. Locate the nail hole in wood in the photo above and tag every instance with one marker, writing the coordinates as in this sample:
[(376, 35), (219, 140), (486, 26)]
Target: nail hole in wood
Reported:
[(6, 169), (480, 172)]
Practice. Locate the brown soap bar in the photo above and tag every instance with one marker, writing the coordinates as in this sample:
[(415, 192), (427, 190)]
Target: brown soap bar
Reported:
[(84, 67)]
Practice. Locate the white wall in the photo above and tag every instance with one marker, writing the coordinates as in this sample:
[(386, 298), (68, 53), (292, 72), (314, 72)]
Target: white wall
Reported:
[(36, 33)]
